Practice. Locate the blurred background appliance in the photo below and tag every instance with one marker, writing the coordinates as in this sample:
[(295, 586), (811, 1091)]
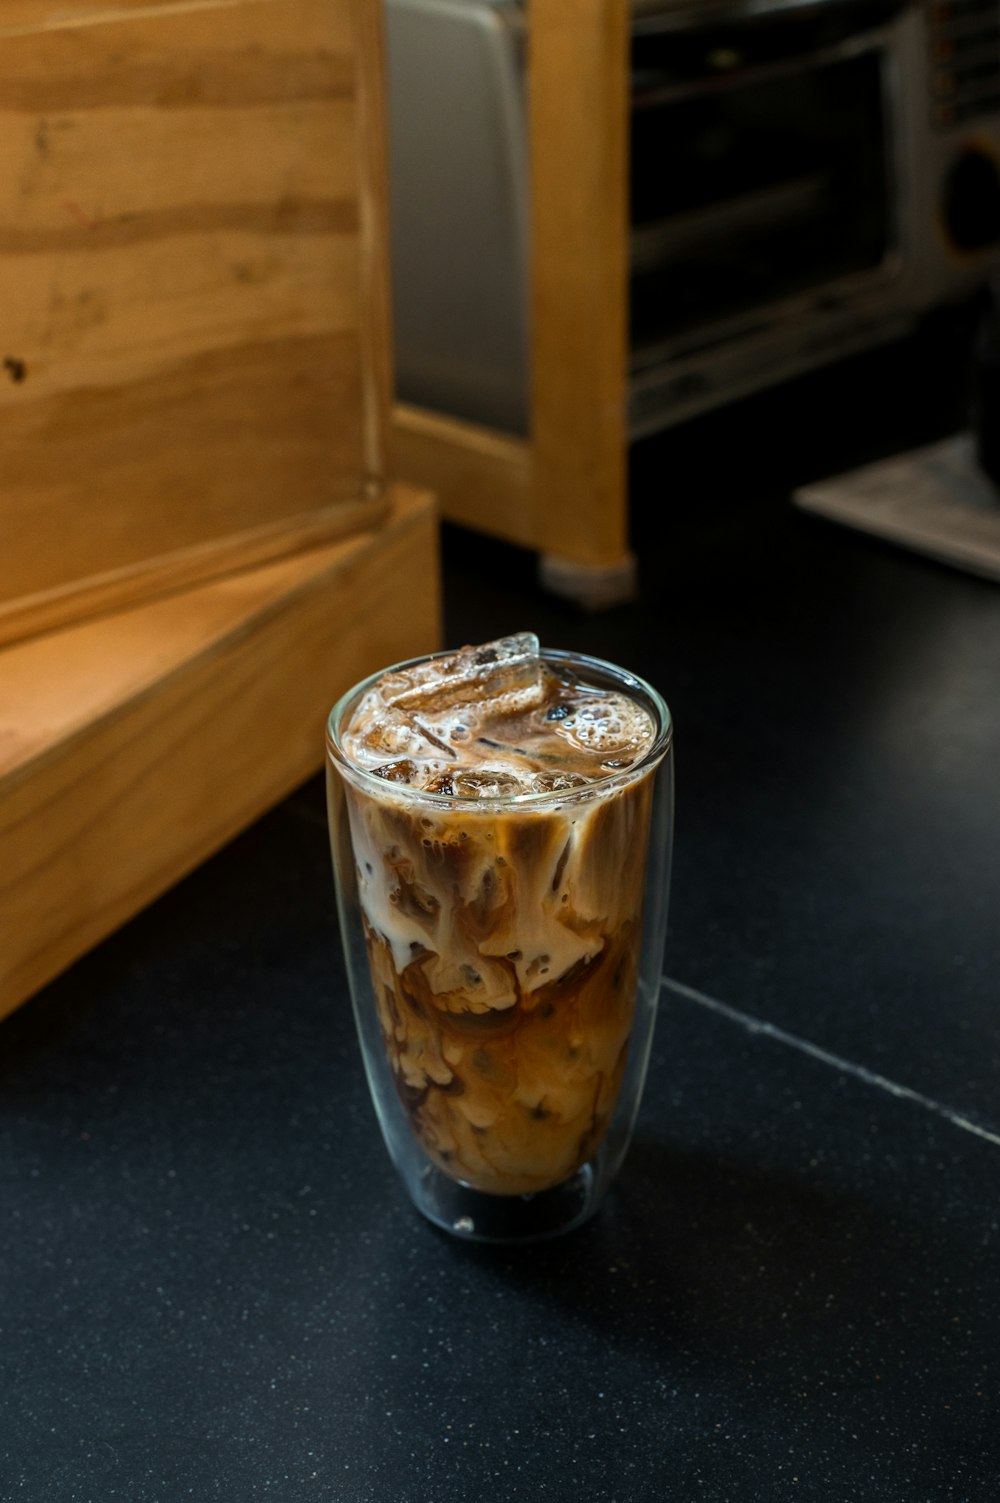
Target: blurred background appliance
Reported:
[(806, 178)]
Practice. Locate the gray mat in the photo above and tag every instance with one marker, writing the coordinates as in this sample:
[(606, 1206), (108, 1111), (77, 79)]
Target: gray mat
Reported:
[(935, 501)]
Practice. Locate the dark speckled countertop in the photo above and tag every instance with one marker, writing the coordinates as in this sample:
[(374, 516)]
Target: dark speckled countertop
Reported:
[(211, 1286)]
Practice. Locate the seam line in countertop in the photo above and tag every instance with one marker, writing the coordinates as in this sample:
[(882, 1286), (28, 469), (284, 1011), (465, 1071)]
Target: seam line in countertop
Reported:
[(870, 1077)]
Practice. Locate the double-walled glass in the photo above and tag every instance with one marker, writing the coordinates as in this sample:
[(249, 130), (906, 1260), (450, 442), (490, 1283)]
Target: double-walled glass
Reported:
[(506, 1123)]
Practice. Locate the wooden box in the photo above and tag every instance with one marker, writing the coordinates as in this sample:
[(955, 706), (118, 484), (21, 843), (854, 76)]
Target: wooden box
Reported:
[(194, 358), (199, 546)]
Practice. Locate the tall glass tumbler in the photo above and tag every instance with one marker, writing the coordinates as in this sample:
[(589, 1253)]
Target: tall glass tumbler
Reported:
[(508, 1123)]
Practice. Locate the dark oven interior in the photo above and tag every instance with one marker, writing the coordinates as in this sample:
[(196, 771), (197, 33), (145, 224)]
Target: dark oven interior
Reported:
[(760, 164)]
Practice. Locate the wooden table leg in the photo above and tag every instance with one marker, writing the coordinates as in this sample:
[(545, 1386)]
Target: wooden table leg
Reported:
[(578, 75)]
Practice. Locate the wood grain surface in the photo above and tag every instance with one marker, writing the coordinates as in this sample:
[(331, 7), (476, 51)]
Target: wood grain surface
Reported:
[(565, 490), (133, 746), (481, 478), (578, 100), (192, 284)]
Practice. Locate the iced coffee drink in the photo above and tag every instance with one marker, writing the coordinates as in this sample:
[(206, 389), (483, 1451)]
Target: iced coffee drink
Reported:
[(498, 808)]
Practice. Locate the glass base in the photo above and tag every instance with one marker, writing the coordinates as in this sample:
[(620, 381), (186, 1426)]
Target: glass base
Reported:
[(476, 1217)]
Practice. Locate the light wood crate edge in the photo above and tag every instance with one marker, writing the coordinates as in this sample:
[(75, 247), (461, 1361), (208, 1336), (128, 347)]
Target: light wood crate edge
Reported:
[(104, 817)]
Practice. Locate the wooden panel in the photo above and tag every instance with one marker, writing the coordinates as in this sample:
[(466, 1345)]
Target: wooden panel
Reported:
[(192, 283), (565, 491), (133, 746), (578, 103), (481, 478), (373, 227), (209, 401)]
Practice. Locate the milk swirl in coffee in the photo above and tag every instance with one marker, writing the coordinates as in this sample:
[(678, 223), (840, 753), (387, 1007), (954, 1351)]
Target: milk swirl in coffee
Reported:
[(499, 841)]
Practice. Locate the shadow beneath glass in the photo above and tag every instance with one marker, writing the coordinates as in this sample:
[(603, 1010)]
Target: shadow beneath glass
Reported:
[(733, 1256)]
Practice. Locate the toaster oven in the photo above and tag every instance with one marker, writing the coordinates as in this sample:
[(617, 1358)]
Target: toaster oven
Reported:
[(807, 178)]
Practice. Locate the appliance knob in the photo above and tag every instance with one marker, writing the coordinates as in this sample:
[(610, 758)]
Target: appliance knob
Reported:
[(972, 201)]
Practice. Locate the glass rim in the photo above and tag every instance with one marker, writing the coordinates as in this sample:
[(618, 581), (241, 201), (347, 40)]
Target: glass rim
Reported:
[(403, 793)]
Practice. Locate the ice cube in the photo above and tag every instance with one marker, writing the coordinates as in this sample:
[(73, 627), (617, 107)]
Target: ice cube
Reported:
[(390, 738), (556, 782), (441, 782), (488, 782), (471, 675), (401, 771)]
